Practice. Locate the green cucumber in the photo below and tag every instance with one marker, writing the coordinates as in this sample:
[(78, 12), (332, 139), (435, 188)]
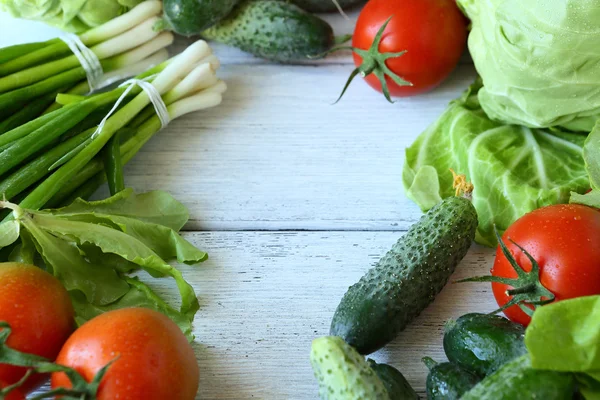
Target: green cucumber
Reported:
[(407, 279), (482, 343), (343, 374), (447, 381), (326, 5), (396, 384), (191, 17), (517, 380), (274, 30)]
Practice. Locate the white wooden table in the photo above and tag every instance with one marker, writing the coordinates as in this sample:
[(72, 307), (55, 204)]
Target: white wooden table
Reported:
[(294, 199)]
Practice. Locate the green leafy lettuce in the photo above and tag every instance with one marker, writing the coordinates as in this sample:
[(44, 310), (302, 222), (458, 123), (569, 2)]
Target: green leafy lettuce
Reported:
[(514, 169), (565, 336), (69, 15), (591, 155), (91, 247), (539, 60)]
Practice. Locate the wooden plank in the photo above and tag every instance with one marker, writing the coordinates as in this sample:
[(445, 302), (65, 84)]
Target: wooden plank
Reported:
[(277, 155), (265, 296)]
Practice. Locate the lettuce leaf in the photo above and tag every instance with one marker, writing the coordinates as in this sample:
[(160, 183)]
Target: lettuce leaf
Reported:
[(565, 336), (156, 207), (9, 233), (514, 169), (128, 247), (64, 260), (138, 295), (91, 247)]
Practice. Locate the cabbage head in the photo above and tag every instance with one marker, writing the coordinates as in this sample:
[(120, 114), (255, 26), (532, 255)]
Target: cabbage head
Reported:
[(69, 15), (539, 60)]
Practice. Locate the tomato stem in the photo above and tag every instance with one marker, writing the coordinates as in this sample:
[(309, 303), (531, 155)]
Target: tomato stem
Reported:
[(527, 290), (6, 390), (81, 389), (374, 62), (524, 289)]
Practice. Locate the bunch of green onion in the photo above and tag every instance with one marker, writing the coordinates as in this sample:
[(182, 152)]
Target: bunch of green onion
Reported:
[(62, 155), (31, 75)]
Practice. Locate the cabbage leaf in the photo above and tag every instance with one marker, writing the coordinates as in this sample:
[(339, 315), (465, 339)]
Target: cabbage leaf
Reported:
[(591, 155), (514, 169), (539, 60), (68, 15)]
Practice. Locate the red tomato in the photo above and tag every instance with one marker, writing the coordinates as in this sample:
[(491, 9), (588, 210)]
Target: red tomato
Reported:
[(39, 312), (433, 33), (565, 241), (155, 360), (14, 394)]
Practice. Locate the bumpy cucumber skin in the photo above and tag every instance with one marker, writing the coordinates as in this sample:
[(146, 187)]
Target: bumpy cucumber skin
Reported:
[(325, 5), (407, 279), (343, 374), (274, 30), (482, 343), (191, 17), (447, 381), (396, 384), (517, 380)]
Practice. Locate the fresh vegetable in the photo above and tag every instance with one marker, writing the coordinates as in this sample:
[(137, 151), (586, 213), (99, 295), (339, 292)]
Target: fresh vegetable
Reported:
[(274, 30), (69, 15), (537, 60), (565, 336), (30, 78), (518, 380), (395, 383), (40, 313), (91, 247), (407, 47), (151, 358), (550, 254), (343, 374), (482, 343), (187, 83), (407, 279), (514, 169), (190, 17), (447, 381)]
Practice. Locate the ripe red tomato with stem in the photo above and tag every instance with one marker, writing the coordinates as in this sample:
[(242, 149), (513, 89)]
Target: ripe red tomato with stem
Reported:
[(38, 309), (555, 254), (151, 358), (407, 47)]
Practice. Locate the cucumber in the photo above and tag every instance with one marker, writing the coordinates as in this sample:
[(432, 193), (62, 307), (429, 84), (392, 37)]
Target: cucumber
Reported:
[(274, 30), (326, 5), (395, 383), (517, 380), (343, 374), (482, 343), (407, 279), (447, 381), (191, 17)]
